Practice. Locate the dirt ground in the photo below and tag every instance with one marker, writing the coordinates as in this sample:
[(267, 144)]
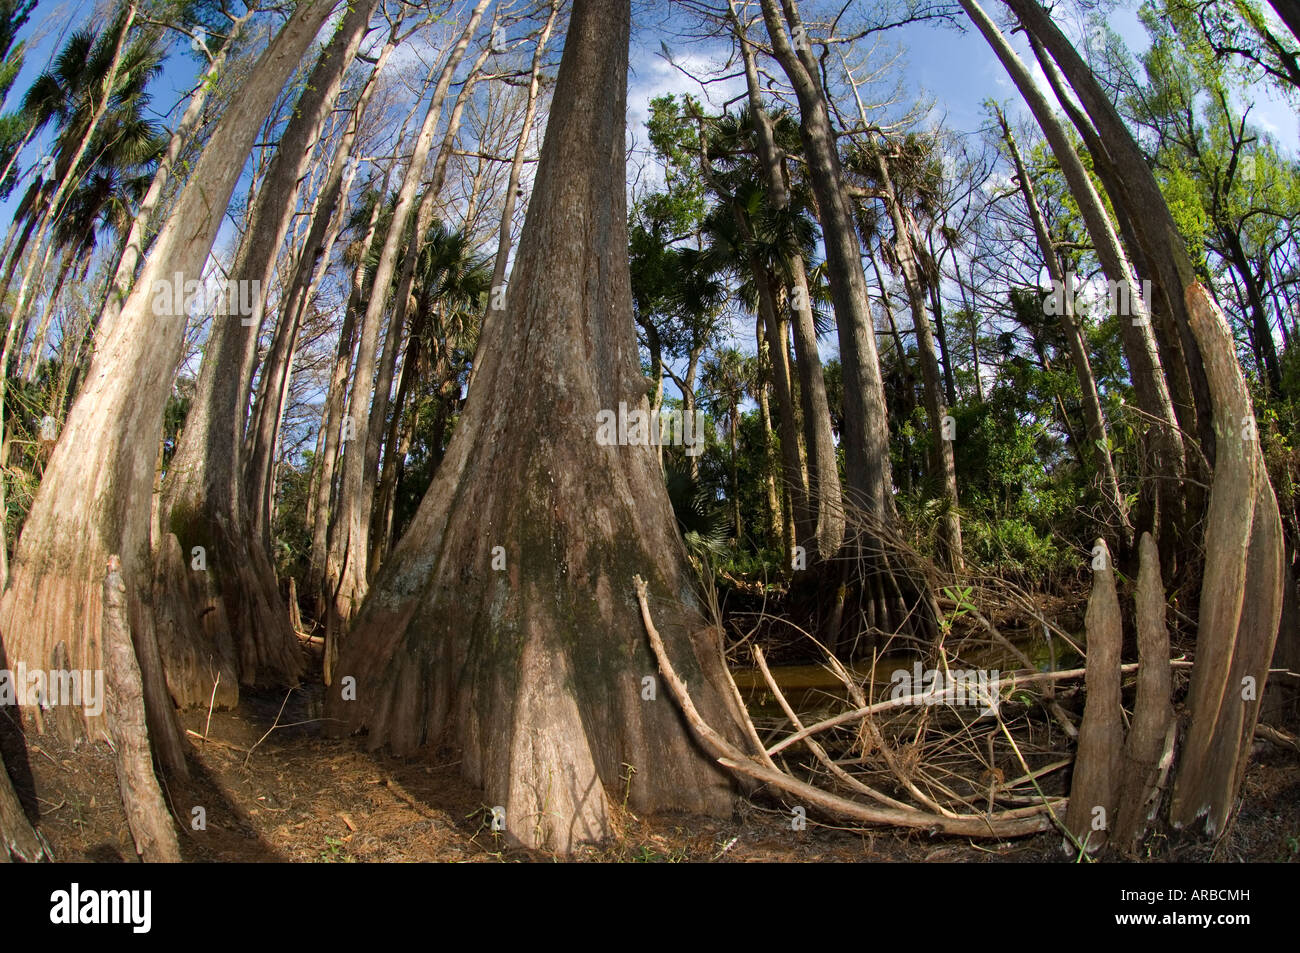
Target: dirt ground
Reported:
[(286, 793)]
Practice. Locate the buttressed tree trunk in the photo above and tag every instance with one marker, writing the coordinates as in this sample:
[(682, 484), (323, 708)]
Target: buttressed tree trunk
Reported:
[(505, 619), (1241, 599), (204, 500), (95, 497)]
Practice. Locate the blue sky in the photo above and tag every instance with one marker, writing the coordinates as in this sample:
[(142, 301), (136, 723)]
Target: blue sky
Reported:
[(956, 69)]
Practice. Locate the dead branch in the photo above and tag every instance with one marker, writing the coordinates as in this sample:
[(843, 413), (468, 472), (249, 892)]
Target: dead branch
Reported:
[(988, 825)]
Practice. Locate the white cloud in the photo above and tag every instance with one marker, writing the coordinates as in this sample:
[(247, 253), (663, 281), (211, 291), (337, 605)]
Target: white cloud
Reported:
[(652, 75)]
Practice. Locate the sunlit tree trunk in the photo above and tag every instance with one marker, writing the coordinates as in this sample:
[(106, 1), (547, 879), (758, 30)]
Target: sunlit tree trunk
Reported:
[(95, 498), (534, 667), (204, 501), (776, 524), (346, 565)]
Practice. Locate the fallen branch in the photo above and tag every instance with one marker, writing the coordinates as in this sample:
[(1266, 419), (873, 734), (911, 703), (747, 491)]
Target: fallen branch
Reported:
[(729, 756), (215, 741), (1277, 737)]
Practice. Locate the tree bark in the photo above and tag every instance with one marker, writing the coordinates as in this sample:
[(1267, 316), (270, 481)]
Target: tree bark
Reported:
[(396, 444), (95, 497), (1150, 734), (1241, 599), (204, 501), (1095, 784), (333, 421), (20, 839), (776, 522), (776, 335), (142, 799), (536, 670)]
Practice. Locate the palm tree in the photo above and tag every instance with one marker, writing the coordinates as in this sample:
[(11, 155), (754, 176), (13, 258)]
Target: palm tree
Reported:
[(92, 96), (104, 203), (14, 15)]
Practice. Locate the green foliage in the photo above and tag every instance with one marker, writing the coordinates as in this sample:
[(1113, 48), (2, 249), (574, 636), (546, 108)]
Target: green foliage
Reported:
[(292, 531)]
